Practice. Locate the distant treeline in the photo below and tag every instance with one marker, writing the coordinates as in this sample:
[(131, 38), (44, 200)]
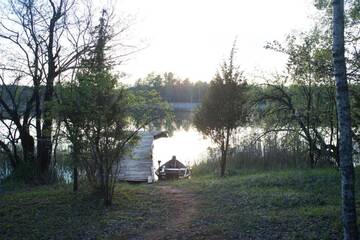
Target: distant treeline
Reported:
[(173, 89)]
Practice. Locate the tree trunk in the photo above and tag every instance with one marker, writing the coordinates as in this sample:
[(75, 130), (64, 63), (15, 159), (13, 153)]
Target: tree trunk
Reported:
[(75, 180), (28, 162), (75, 159), (222, 159), (107, 189), (45, 140), (46, 143), (344, 118), (45, 148), (28, 147), (312, 155), (224, 152), (222, 164), (38, 119)]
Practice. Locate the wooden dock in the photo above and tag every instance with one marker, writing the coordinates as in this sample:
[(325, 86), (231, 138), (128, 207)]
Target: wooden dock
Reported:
[(138, 166)]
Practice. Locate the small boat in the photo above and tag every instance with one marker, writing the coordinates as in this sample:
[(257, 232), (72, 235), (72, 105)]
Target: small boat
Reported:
[(173, 169)]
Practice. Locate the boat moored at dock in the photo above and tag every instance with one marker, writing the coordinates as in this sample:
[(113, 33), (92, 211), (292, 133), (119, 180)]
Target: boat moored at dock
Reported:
[(173, 169)]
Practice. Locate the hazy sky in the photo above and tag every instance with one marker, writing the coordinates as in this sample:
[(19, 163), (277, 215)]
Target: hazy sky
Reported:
[(192, 37)]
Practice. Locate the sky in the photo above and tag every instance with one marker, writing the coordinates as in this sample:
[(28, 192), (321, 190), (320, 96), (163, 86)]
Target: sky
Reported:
[(192, 37)]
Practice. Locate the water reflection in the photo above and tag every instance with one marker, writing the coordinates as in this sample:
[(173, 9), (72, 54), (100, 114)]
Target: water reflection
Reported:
[(184, 142), (188, 145)]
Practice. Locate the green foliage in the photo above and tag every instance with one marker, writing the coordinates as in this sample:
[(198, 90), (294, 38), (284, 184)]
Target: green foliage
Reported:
[(224, 104), (322, 4), (303, 101), (101, 117), (310, 56), (354, 10), (223, 108), (146, 107)]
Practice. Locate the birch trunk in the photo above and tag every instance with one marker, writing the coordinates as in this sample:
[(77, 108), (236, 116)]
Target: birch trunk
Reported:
[(344, 118)]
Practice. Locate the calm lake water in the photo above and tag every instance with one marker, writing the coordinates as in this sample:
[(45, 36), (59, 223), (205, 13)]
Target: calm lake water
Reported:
[(184, 141), (188, 145)]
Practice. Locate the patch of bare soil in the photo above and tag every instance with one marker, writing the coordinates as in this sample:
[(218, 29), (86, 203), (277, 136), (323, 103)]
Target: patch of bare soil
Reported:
[(183, 209)]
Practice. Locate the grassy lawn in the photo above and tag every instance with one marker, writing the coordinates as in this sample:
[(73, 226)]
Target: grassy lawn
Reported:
[(291, 204), (54, 212)]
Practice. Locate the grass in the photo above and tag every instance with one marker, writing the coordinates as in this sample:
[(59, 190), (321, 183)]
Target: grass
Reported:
[(284, 204), (54, 212), (287, 204)]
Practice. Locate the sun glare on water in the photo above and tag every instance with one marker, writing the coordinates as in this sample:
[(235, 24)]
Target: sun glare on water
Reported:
[(189, 146)]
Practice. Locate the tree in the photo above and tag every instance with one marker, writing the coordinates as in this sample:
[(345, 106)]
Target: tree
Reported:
[(344, 117), (101, 117), (47, 37), (69, 111), (351, 44), (300, 107), (223, 108)]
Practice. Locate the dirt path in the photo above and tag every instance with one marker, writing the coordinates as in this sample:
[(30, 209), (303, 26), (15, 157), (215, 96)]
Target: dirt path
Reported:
[(183, 210)]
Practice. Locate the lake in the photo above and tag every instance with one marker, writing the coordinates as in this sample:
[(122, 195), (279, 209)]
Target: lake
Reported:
[(185, 142), (188, 145)]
